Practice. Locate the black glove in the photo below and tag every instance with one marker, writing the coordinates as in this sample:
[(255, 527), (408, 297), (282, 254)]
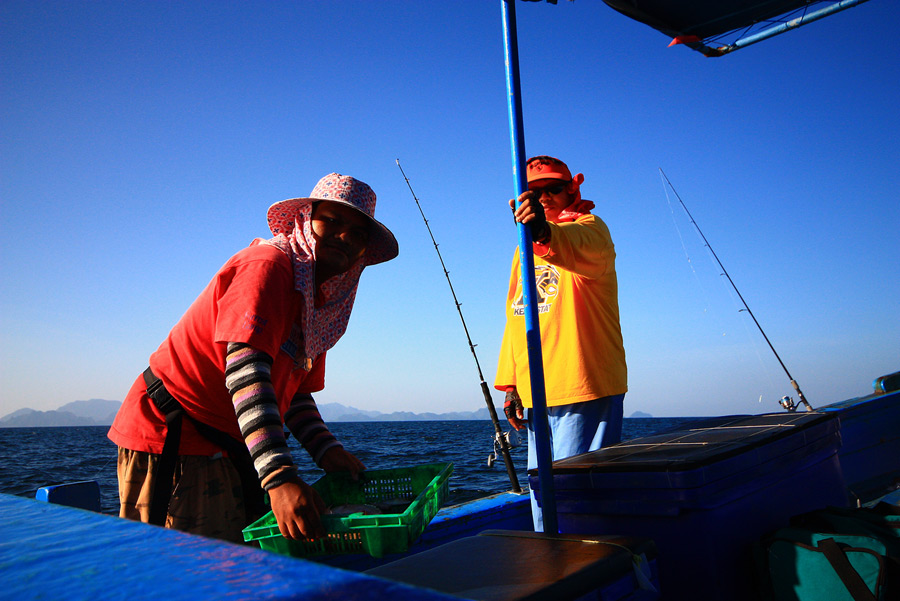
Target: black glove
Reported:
[(540, 231), (512, 405)]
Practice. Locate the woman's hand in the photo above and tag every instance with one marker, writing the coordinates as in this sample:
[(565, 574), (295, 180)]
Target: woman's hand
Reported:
[(337, 459), (298, 509)]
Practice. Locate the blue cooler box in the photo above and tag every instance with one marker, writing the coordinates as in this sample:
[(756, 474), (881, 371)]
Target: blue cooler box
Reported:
[(870, 443), (705, 495)]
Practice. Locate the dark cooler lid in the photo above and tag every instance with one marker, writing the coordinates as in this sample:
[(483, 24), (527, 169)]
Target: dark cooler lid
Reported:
[(707, 442)]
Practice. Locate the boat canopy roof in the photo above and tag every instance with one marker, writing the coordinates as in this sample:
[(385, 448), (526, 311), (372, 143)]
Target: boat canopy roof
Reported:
[(704, 18), (718, 27)]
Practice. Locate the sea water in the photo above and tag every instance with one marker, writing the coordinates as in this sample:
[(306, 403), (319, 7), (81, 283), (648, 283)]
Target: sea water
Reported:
[(34, 457)]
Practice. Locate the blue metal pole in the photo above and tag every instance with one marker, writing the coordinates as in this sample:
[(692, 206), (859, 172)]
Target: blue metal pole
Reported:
[(789, 25), (526, 258)]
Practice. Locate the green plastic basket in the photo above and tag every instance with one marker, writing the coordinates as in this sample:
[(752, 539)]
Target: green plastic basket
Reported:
[(426, 486)]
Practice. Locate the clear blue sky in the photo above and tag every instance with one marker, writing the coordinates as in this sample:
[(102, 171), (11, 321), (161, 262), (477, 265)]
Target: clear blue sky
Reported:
[(143, 141)]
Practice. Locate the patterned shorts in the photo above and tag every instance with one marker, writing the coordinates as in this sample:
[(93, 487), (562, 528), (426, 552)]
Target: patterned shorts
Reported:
[(207, 498)]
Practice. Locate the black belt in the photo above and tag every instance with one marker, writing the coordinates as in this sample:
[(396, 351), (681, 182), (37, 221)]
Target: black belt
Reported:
[(254, 498)]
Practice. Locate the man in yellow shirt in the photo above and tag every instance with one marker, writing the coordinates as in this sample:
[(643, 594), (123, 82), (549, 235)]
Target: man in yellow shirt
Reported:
[(581, 340)]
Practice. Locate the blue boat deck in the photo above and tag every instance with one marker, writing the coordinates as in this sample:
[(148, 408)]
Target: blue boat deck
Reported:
[(52, 551)]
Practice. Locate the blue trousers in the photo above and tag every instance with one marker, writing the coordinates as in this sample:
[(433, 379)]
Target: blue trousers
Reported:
[(575, 429)]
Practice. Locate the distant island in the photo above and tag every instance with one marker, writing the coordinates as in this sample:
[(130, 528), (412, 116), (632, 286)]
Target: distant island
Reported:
[(101, 412), (640, 414), (93, 412)]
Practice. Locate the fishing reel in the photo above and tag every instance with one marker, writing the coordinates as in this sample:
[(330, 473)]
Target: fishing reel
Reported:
[(511, 439), (788, 404)]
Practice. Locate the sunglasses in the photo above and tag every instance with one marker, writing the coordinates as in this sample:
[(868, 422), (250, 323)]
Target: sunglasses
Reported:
[(551, 189)]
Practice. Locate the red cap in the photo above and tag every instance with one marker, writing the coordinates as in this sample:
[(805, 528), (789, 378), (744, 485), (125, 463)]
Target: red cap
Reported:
[(556, 170)]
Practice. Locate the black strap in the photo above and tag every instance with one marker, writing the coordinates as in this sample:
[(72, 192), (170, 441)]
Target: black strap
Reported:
[(254, 500), (849, 576), (165, 471)]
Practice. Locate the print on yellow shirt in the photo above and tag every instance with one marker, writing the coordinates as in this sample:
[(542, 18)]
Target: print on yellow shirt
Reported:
[(547, 280)]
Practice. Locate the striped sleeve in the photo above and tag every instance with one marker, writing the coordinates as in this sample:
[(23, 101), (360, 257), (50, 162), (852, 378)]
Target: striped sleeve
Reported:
[(248, 377), (308, 427)]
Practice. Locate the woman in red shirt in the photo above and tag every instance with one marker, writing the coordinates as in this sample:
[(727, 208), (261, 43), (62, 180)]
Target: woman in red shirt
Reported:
[(243, 362)]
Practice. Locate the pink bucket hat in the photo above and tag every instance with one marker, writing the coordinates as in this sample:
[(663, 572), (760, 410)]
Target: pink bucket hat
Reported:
[(345, 190)]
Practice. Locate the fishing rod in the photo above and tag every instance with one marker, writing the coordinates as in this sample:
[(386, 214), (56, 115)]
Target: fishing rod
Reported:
[(500, 438), (786, 402)]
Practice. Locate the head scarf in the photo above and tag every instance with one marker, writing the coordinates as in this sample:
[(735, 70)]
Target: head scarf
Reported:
[(323, 325), (575, 210)]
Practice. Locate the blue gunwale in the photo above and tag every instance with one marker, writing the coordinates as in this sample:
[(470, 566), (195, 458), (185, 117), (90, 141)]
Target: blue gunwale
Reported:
[(49, 550)]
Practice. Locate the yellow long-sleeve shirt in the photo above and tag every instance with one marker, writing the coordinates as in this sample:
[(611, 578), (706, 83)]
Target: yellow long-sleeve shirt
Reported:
[(581, 339)]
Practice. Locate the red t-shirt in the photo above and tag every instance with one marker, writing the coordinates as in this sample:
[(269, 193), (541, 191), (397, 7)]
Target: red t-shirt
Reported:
[(252, 300)]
